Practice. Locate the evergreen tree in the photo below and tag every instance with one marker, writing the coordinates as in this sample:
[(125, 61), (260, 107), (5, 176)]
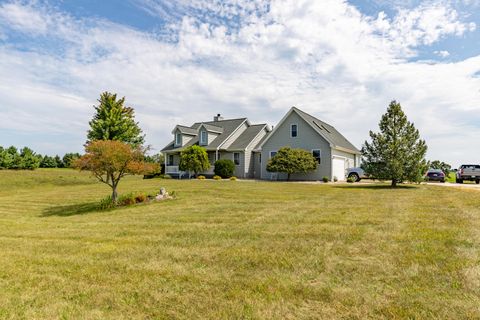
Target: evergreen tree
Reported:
[(28, 159), (194, 158), (48, 162), (114, 121), (396, 153), (291, 161), (69, 158), (59, 161)]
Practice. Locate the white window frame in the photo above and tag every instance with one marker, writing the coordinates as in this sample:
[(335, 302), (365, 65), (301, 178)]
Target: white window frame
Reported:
[(276, 151), (291, 130), (319, 160), (203, 137), (238, 158), (178, 139)]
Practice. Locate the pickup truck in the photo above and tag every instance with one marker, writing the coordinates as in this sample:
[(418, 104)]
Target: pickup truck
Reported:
[(356, 174), (469, 172)]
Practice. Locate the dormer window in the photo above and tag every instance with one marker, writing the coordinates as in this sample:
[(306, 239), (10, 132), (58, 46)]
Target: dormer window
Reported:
[(203, 137), (178, 139)]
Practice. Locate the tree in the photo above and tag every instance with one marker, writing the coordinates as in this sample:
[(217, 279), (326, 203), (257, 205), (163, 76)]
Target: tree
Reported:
[(224, 168), (396, 153), (59, 161), (48, 162), (194, 158), (28, 159), (10, 158), (114, 121), (69, 158), (290, 161), (109, 161), (445, 167)]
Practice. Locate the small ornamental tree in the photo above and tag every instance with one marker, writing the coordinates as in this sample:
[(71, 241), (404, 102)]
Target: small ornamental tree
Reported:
[(194, 158), (396, 153), (224, 168), (110, 161), (290, 161)]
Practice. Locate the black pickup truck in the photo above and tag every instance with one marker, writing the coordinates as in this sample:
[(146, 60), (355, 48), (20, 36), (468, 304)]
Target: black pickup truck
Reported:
[(470, 172)]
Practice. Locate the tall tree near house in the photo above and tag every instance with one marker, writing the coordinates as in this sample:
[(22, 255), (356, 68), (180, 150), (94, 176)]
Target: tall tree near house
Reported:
[(395, 153), (194, 158), (114, 121), (109, 161), (291, 161)]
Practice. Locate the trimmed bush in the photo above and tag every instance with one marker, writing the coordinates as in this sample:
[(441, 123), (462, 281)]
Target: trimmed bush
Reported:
[(325, 179), (224, 168), (233, 178), (201, 177), (215, 177)]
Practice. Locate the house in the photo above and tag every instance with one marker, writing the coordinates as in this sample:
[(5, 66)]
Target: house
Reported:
[(298, 129), (250, 146), (232, 139)]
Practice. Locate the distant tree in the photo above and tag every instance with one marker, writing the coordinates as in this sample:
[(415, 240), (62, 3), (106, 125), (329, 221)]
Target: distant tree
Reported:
[(48, 162), (110, 161), (114, 121), (194, 158), (11, 158), (445, 167), (224, 168), (291, 161), (396, 153), (68, 159), (28, 159), (59, 161)]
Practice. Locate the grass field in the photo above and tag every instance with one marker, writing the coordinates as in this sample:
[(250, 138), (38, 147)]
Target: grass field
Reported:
[(236, 250)]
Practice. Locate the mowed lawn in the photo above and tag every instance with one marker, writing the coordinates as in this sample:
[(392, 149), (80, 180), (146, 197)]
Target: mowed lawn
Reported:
[(236, 250)]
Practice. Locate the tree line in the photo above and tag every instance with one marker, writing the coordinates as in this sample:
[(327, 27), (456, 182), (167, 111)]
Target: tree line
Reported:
[(27, 159)]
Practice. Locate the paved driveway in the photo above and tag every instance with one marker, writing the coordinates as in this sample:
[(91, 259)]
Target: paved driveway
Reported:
[(456, 185)]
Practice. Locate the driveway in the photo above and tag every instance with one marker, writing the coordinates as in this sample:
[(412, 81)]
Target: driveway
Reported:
[(455, 185)]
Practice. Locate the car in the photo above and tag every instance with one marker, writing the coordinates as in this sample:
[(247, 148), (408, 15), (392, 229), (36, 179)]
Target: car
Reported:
[(435, 175), (356, 174), (470, 172)]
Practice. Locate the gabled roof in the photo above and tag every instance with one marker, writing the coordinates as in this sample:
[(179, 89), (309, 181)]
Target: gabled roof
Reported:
[(242, 142), (328, 132), (212, 128), (185, 130)]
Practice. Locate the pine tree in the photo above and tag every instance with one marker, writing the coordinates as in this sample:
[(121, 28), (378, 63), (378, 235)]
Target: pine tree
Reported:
[(396, 153), (114, 121)]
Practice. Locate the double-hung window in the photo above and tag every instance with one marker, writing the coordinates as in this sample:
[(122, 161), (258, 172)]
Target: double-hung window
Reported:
[(178, 139), (203, 137), (170, 160), (236, 158), (293, 130), (272, 154), (317, 154)]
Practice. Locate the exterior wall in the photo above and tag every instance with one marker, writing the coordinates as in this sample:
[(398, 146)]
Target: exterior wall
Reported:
[(249, 157), (257, 164), (185, 138), (307, 138), (234, 136), (348, 157), (239, 169)]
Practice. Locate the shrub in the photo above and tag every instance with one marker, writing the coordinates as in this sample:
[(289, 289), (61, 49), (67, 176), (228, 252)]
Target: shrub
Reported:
[(126, 200), (140, 198), (165, 176), (201, 177), (233, 178), (351, 179), (106, 203), (335, 179), (325, 179), (215, 177), (224, 168)]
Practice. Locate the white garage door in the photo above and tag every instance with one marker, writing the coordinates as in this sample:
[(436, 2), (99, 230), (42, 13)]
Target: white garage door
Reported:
[(338, 165)]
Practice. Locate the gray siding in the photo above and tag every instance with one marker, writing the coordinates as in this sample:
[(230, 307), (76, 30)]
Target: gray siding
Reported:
[(257, 165), (249, 157), (239, 169), (307, 139)]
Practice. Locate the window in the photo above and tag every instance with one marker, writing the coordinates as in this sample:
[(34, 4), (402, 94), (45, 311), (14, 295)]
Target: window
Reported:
[(170, 160), (203, 137), (293, 130), (259, 158), (178, 139), (272, 154), (317, 154), (236, 158)]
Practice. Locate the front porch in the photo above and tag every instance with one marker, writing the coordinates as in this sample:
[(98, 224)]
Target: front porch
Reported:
[(174, 171)]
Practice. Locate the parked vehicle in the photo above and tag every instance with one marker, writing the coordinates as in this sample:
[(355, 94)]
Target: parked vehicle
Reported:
[(356, 174), (435, 175), (470, 172)]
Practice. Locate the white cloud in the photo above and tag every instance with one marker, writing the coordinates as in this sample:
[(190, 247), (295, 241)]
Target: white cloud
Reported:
[(442, 53), (322, 56)]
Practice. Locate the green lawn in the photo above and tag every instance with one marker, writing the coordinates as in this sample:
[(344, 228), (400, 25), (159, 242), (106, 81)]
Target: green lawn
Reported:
[(236, 250)]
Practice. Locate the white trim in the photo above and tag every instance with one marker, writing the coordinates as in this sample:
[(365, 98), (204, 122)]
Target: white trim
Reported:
[(331, 163), (296, 130)]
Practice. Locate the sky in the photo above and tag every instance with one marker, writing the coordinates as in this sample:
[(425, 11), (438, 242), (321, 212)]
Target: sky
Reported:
[(179, 62)]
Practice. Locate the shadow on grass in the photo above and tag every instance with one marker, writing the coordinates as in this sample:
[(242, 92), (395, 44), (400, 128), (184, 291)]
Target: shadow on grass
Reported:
[(71, 210), (377, 187)]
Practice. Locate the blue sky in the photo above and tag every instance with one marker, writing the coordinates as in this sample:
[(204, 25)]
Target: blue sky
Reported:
[(184, 61)]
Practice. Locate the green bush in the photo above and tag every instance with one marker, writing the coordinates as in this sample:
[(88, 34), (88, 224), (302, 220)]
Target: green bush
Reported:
[(224, 168), (325, 179), (335, 179), (215, 177), (201, 177), (350, 179), (233, 178), (106, 203), (126, 199)]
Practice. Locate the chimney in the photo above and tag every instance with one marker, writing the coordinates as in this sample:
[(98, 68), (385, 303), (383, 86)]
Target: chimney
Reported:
[(218, 117)]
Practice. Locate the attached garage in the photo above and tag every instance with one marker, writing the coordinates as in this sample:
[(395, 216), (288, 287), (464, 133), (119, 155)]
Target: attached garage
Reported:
[(338, 168)]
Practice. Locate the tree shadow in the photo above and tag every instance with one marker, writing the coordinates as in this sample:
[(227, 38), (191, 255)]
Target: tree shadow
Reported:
[(70, 210), (377, 187)]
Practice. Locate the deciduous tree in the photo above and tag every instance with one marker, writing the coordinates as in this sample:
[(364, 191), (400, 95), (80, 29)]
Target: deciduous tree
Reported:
[(395, 153), (194, 158), (291, 161)]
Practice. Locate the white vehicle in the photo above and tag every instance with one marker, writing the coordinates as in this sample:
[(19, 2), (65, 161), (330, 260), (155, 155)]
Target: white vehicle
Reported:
[(356, 174)]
